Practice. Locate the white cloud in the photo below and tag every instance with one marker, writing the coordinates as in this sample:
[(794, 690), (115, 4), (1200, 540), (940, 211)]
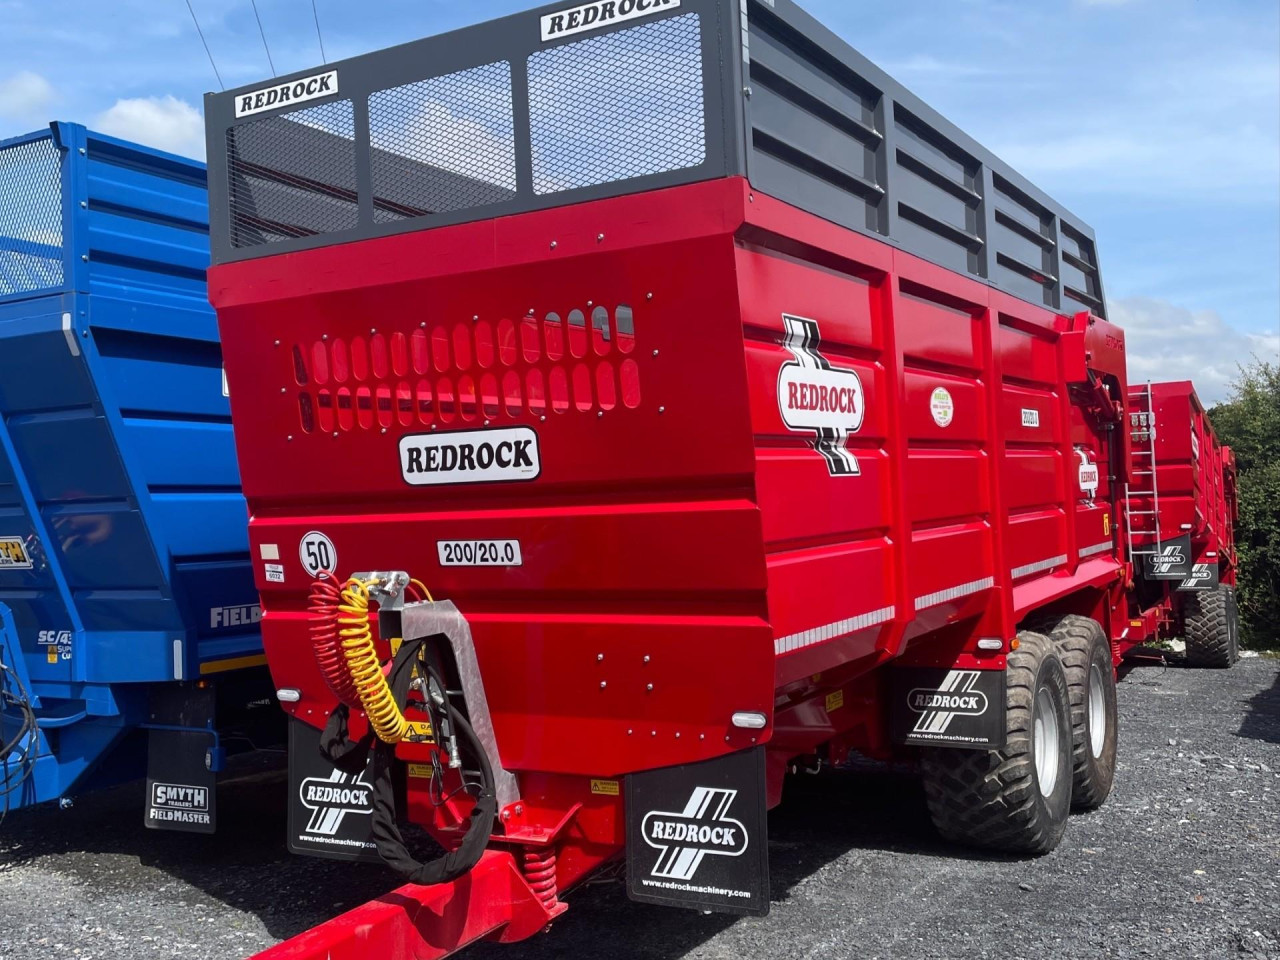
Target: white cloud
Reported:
[(1168, 342), (26, 97), (165, 123)]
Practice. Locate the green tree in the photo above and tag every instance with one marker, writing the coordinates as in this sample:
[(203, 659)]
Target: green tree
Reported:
[(1249, 423)]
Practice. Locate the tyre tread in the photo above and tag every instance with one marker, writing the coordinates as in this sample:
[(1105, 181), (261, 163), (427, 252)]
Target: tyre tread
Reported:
[(985, 797), (1205, 622)]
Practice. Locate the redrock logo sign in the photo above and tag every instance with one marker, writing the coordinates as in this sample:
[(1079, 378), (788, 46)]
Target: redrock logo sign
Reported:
[(703, 827), (593, 16), (280, 94), (331, 799), (814, 396), (470, 456)]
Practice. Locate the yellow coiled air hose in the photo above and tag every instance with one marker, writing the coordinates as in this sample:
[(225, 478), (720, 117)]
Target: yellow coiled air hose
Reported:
[(385, 717)]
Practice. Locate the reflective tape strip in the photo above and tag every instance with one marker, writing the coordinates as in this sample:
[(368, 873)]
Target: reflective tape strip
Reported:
[(70, 334), (1096, 548), (952, 593), (1039, 565), (807, 638)]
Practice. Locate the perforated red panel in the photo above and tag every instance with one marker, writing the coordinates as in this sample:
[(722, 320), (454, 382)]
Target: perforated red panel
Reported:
[(470, 372)]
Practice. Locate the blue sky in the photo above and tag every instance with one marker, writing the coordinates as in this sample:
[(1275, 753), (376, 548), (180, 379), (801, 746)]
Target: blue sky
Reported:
[(1156, 121)]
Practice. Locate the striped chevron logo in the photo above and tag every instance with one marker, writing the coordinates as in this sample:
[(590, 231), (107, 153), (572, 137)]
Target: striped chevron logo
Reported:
[(954, 697), (684, 839), (330, 800)]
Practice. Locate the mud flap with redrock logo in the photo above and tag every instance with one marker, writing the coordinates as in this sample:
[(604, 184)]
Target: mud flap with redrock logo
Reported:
[(1171, 562), (1204, 576), (696, 835), (936, 707), (330, 812)]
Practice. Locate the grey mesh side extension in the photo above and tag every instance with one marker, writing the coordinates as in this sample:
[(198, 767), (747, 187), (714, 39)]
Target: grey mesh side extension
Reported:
[(491, 120)]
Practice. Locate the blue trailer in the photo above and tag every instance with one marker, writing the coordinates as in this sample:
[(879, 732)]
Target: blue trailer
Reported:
[(128, 614)]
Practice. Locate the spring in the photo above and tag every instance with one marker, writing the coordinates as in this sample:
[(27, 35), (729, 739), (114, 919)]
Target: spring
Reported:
[(325, 643), (540, 873)]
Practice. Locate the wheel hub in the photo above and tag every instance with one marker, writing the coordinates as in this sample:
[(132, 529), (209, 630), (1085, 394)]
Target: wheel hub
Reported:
[(1045, 734), (1097, 712)]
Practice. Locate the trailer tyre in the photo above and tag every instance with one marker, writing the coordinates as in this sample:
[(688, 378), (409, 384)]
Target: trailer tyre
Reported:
[(1211, 626), (1091, 680), (1016, 799)]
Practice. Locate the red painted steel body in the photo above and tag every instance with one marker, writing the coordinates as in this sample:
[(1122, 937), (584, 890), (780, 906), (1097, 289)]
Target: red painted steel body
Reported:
[(1196, 478), (686, 554), (1196, 486)]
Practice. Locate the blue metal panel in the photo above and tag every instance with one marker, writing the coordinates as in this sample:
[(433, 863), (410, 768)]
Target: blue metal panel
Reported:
[(117, 466)]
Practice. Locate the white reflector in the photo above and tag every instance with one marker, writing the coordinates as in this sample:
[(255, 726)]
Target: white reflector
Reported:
[(749, 720), (990, 643), (288, 695)]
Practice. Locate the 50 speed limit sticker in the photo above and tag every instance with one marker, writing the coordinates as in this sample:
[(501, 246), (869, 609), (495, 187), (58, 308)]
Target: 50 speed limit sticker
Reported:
[(479, 553), (318, 554)]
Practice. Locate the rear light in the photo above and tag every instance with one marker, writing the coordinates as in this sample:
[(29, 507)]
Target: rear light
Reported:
[(749, 720), (990, 643), (288, 695)]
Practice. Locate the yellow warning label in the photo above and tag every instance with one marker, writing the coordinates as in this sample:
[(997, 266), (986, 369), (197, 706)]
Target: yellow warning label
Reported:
[(419, 729), (420, 770), (1135, 623), (1106, 524), (835, 700), (605, 788), (51, 655)]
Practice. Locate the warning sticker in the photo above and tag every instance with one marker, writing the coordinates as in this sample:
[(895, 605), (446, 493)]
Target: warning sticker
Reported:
[(835, 700), (606, 788), (13, 554), (942, 407)]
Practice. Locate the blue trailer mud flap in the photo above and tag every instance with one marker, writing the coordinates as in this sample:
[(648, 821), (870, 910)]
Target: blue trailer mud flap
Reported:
[(938, 707), (183, 757), (697, 835)]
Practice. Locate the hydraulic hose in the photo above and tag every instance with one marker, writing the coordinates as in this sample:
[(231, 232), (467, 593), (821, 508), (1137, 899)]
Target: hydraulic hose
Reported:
[(342, 643), (385, 715), (351, 757), (326, 645)]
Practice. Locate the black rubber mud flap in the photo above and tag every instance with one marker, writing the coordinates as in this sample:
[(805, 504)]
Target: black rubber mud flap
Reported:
[(697, 835), (330, 812), (937, 707), (1204, 576), (1173, 562), (181, 787)]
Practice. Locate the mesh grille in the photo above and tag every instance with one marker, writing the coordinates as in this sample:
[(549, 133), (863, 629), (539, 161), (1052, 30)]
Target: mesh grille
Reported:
[(30, 217), (619, 105), (293, 175), (443, 144)]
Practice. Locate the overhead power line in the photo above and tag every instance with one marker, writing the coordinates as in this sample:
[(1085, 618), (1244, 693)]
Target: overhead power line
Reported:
[(323, 58), (262, 33), (207, 51)]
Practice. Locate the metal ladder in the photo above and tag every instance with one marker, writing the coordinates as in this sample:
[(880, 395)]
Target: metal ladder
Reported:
[(1142, 431)]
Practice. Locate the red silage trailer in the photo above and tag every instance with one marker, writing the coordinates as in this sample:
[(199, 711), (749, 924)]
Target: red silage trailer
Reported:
[(635, 400), (1181, 511)]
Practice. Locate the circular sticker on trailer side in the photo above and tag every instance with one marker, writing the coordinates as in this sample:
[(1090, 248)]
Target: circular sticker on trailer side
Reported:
[(942, 407), (318, 554)]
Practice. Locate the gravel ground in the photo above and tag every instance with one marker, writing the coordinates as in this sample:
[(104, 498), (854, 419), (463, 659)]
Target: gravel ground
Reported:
[(1183, 861)]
